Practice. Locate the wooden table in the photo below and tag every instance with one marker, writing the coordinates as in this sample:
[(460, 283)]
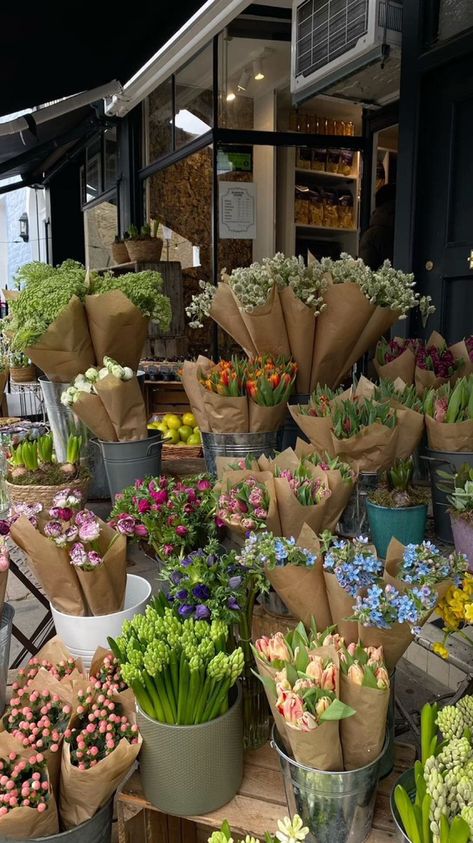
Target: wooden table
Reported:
[(260, 802)]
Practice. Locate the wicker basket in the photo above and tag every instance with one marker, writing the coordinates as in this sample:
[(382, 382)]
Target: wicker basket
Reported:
[(145, 250), (23, 374), (181, 452), (120, 252), (43, 494)]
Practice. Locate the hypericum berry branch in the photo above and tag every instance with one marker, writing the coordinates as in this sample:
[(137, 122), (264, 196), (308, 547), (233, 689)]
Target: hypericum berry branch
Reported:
[(23, 783), (100, 728)]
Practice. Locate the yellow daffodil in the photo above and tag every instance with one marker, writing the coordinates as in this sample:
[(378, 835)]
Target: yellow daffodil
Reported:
[(440, 650)]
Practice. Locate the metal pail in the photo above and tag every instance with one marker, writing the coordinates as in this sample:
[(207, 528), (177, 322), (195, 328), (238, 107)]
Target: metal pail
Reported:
[(237, 445)]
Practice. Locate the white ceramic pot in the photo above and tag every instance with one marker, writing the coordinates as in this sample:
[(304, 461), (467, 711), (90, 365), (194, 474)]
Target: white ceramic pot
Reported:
[(82, 636)]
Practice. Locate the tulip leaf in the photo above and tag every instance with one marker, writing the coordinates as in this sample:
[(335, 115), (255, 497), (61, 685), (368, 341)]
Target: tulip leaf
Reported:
[(268, 683), (302, 660), (369, 680), (291, 674), (338, 711), (226, 830)]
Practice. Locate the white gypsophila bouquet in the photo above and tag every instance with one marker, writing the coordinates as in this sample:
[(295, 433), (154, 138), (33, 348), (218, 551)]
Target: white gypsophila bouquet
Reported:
[(201, 304), (307, 282)]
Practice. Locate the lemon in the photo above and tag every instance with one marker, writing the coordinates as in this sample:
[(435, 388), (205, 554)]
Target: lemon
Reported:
[(172, 437), (161, 426), (172, 421), (194, 439), (189, 420), (184, 432)]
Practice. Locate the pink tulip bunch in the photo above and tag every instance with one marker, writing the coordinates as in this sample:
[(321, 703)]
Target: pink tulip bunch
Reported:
[(107, 677), (100, 728), (245, 505), (304, 702), (37, 719), (273, 649), (364, 666), (57, 670), (23, 783)]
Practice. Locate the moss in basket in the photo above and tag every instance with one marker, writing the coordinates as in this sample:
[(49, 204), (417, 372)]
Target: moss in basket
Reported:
[(51, 475), (399, 491)]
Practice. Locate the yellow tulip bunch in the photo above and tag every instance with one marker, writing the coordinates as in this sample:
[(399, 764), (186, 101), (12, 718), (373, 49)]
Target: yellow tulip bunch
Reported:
[(456, 609)]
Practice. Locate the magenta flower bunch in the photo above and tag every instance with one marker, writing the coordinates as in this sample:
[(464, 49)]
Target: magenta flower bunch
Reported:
[(38, 719), (172, 516), (100, 728), (244, 505), (23, 783), (440, 361), (107, 676), (57, 670)]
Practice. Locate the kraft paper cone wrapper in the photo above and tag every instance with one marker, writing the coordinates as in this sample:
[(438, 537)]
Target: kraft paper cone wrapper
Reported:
[(267, 328), (293, 514), (378, 324), (263, 419), (225, 311), (320, 748), (26, 823), (300, 326), (98, 660), (3, 380), (394, 641), (402, 367), (373, 449), (3, 588), (301, 588), (104, 587), (338, 328), (266, 670), (224, 466), (90, 410), (193, 389), (411, 429), (318, 430), (225, 414), (455, 437), (55, 651), (65, 349), (125, 407), (117, 328), (231, 479), (337, 502), (394, 555), (362, 735), (287, 459), (341, 606), (51, 567), (425, 380), (460, 352), (84, 792)]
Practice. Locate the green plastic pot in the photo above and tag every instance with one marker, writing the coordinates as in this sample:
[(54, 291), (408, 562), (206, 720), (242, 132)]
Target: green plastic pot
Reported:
[(192, 770), (406, 524)]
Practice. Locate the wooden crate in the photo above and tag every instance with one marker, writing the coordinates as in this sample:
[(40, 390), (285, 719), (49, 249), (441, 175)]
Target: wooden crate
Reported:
[(256, 808)]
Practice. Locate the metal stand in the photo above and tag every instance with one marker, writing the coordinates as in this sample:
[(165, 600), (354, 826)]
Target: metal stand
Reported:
[(31, 400)]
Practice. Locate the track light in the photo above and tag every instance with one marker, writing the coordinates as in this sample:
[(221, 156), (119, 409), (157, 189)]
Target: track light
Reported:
[(243, 80), (231, 96), (258, 70)]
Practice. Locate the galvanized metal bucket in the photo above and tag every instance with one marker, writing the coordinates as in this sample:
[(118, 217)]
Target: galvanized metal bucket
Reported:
[(354, 520), (407, 780), (237, 445), (6, 623), (387, 761), (126, 462), (96, 830), (336, 807), (290, 432), (443, 461), (60, 417)]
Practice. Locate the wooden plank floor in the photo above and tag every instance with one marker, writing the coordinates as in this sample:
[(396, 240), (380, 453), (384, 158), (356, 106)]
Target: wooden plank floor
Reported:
[(256, 808)]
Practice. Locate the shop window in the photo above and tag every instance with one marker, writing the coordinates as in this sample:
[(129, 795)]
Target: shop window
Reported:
[(194, 98), (110, 158), (159, 130), (101, 227), (455, 16), (93, 171)]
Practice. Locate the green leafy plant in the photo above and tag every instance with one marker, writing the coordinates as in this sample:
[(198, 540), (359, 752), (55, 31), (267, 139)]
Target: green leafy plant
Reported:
[(350, 417), (386, 391), (18, 360), (147, 231), (459, 488)]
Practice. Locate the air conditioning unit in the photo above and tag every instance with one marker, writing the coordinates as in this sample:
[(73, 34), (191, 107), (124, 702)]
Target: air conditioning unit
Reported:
[(336, 39)]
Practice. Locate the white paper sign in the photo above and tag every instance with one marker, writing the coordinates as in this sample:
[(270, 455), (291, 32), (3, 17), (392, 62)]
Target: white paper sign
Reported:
[(237, 210)]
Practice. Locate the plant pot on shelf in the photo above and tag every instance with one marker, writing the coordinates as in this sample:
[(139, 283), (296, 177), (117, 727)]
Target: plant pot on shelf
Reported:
[(23, 374), (462, 530), (145, 251), (82, 635), (405, 523), (175, 785), (120, 252)]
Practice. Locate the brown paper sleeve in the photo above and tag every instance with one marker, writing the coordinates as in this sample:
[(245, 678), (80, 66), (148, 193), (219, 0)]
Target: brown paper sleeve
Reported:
[(372, 449), (320, 748), (402, 367), (65, 349), (379, 322), (394, 555), (117, 328), (335, 505), (104, 587), (125, 407), (3, 588), (411, 429), (3, 380), (194, 391), (394, 641), (303, 592), (226, 313), (293, 515), (425, 380), (456, 437), (224, 413), (318, 430), (341, 606), (98, 659), (362, 735), (90, 410), (26, 823), (300, 326), (338, 328), (266, 670), (460, 352), (266, 327), (51, 567), (263, 419), (84, 792)]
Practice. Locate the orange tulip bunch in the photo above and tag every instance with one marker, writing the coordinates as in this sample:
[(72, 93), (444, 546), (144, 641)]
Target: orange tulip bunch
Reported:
[(268, 381)]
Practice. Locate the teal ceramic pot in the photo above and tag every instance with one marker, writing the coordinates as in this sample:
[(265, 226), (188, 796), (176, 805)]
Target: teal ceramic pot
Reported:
[(406, 524)]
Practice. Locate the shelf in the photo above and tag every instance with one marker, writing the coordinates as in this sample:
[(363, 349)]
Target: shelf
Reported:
[(325, 175), (326, 228)]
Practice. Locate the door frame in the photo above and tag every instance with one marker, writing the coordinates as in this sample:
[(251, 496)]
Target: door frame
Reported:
[(373, 122)]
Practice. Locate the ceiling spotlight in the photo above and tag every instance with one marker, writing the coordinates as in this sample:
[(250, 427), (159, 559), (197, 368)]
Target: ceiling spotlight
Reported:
[(243, 80), (231, 96), (258, 70)]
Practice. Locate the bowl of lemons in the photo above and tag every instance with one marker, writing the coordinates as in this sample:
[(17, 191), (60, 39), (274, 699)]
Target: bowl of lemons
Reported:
[(181, 435)]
